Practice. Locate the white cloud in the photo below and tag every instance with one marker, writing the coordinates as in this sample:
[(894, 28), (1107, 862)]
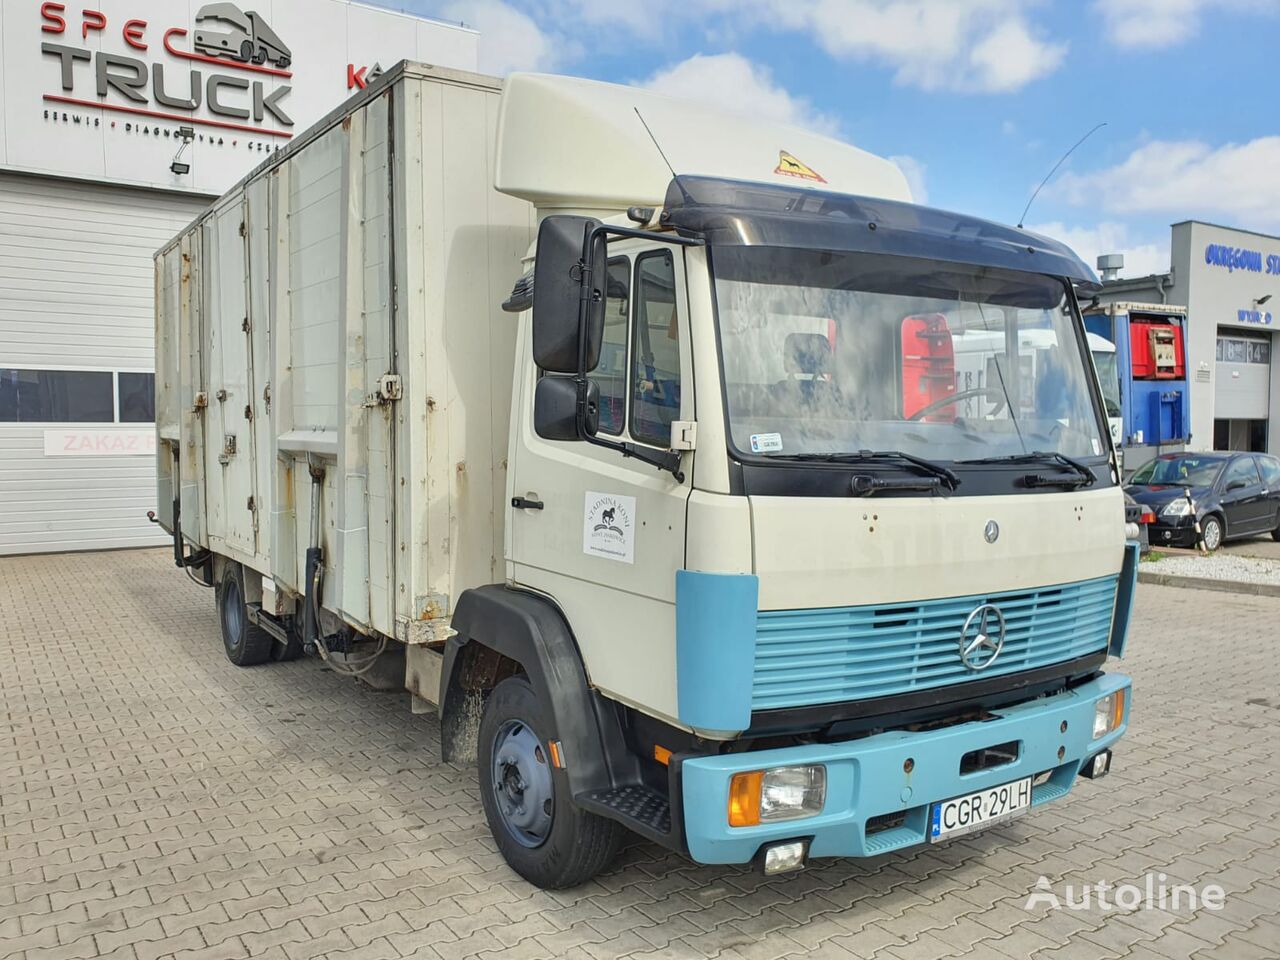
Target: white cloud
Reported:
[(1162, 23), (1009, 58), (1140, 258), (733, 83), (914, 171), (975, 45), (1236, 181), (509, 39)]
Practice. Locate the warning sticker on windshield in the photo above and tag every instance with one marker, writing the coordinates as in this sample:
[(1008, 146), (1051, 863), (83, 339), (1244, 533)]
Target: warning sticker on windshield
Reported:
[(766, 443)]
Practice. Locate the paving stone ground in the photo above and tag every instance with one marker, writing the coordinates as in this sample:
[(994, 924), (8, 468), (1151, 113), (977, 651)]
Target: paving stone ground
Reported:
[(157, 801)]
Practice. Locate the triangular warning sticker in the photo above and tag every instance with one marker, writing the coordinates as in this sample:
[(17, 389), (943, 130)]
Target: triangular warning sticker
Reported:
[(789, 166)]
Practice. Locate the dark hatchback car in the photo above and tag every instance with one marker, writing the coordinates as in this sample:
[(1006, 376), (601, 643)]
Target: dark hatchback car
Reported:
[(1234, 495)]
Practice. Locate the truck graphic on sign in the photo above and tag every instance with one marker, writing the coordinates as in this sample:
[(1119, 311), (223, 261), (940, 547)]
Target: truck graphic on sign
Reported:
[(224, 30)]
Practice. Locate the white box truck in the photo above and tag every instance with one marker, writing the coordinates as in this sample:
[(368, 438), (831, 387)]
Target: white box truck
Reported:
[(631, 436)]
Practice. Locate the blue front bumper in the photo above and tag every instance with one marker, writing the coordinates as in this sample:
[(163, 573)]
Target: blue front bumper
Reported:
[(866, 779)]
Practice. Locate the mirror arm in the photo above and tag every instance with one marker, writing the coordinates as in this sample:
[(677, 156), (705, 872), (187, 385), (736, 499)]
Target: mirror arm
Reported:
[(611, 231)]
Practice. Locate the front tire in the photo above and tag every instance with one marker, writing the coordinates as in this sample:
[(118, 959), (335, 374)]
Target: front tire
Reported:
[(246, 644), (1211, 533), (542, 834)]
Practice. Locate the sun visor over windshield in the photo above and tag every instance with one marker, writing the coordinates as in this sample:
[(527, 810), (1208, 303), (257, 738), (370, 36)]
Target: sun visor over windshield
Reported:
[(740, 213)]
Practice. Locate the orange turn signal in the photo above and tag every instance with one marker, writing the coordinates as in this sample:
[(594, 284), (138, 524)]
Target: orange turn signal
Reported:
[(662, 755), (744, 798), (1117, 710)]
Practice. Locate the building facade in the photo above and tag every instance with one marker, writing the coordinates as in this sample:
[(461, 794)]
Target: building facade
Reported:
[(1229, 281), (118, 125)]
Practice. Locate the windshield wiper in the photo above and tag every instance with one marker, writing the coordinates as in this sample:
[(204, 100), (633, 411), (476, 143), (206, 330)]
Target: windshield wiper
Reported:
[(1083, 475), (937, 470)]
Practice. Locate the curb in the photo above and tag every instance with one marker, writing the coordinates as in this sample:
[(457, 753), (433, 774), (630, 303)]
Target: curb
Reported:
[(1205, 583)]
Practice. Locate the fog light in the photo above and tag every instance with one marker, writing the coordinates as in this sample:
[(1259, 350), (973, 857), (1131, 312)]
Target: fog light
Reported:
[(785, 857), (1107, 713), (1098, 766)]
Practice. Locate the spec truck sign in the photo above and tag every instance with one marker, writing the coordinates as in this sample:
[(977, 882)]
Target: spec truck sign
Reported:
[(121, 89)]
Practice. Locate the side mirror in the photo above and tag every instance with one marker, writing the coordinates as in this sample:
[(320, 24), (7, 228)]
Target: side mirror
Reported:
[(555, 409), (560, 338)]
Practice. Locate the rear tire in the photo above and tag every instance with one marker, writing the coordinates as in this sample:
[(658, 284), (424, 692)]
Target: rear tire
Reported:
[(542, 834), (1275, 534), (284, 652), (245, 643)]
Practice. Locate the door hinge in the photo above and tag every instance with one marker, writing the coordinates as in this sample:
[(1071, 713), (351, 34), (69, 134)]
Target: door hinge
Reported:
[(244, 325), (202, 401), (266, 395), (248, 412), (251, 505), (243, 228), (684, 434), (228, 448), (390, 389)]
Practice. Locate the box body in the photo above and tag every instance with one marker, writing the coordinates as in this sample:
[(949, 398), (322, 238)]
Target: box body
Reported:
[(338, 313)]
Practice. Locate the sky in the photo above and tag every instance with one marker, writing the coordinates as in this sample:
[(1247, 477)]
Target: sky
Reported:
[(975, 100)]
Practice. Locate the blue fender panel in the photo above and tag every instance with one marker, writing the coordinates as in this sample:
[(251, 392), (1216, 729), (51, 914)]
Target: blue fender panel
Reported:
[(1124, 599), (715, 648)]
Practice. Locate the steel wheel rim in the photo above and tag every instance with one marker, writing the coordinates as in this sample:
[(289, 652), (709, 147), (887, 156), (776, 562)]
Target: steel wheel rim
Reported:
[(522, 788)]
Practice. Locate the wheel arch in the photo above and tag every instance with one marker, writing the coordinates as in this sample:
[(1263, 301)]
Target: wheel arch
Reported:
[(502, 631)]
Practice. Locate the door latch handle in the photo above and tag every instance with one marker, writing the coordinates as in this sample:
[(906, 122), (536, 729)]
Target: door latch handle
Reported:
[(524, 503)]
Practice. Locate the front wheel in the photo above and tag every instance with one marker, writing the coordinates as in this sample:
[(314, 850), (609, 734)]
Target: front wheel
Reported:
[(1211, 533), (542, 834)]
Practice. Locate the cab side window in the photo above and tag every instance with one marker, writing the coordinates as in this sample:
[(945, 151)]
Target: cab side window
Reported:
[(655, 351), (1241, 471), (611, 372)]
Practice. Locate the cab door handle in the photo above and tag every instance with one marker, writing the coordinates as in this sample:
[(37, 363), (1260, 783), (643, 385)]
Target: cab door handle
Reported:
[(524, 503)]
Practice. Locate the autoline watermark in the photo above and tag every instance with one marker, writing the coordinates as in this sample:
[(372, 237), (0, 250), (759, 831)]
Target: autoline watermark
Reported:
[(1154, 892)]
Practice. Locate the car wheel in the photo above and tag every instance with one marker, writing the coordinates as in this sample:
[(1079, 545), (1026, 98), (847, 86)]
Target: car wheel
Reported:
[(1211, 533), (1275, 534), (544, 836)]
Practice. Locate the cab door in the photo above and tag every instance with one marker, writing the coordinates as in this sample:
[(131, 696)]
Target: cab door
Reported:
[(602, 534)]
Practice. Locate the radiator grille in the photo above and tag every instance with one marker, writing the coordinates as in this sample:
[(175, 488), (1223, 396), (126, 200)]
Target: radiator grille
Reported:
[(806, 657)]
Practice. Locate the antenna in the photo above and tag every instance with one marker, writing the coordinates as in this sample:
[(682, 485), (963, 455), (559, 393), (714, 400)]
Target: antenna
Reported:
[(655, 142), (1049, 176)]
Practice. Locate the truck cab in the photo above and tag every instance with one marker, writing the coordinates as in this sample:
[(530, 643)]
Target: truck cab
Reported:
[(827, 580)]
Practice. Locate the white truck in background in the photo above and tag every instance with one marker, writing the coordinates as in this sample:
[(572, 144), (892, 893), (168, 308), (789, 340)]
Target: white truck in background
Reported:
[(664, 541)]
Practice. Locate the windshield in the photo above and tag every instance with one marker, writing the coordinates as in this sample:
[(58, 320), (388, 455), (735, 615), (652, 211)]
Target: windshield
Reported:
[(829, 352), (1185, 471), (1109, 378)]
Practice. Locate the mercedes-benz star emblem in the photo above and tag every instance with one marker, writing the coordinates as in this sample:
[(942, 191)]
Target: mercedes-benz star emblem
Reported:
[(992, 531), (982, 637)]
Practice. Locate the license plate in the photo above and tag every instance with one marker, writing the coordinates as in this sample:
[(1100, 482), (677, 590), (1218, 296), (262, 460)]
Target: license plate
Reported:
[(977, 811)]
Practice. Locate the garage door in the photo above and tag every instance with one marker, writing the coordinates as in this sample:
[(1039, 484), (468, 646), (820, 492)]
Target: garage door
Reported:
[(1243, 389), (77, 467)]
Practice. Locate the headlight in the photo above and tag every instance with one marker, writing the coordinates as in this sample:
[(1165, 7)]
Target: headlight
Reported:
[(1176, 508), (780, 793), (1107, 713)]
